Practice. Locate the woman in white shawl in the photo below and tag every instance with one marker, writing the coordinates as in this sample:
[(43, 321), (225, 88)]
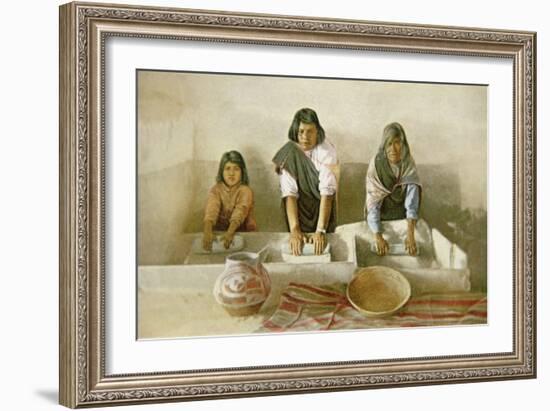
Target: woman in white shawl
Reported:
[(393, 188)]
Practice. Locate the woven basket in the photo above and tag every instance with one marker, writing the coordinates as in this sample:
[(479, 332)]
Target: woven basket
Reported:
[(378, 291)]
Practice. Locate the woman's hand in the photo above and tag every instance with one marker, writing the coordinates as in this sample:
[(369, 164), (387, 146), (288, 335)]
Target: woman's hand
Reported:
[(410, 244), (319, 240), (207, 239), (382, 246), (296, 242)]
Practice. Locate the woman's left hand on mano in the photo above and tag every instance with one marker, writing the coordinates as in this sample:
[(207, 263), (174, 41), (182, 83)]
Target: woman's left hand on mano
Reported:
[(319, 242), (410, 245)]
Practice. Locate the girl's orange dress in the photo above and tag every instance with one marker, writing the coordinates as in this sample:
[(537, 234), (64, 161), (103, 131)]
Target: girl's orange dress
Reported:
[(230, 204)]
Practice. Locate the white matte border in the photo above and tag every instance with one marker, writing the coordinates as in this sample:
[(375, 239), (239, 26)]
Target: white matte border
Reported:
[(124, 354)]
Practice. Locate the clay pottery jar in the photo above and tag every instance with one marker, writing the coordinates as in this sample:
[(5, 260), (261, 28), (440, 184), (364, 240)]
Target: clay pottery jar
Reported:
[(244, 284)]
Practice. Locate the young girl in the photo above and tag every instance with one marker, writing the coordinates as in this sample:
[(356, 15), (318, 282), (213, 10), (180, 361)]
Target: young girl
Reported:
[(230, 204)]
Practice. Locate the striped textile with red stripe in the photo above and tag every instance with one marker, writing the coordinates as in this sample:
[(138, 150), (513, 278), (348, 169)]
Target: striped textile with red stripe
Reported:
[(306, 308)]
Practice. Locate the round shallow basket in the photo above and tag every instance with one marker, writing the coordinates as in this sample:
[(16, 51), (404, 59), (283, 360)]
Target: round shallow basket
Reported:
[(378, 291)]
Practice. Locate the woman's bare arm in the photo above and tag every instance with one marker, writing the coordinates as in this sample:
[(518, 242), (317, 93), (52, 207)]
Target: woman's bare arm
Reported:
[(320, 236), (296, 239)]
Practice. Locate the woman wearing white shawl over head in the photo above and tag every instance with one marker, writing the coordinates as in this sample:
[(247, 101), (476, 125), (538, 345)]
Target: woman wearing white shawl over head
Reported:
[(393, 188)]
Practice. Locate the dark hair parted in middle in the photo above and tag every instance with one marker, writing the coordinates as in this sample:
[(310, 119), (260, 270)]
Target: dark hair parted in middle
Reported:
[(233, 157), (307, 116)]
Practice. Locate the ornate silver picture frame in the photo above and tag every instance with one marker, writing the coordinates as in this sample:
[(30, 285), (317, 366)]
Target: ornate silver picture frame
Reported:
[(86, 157)]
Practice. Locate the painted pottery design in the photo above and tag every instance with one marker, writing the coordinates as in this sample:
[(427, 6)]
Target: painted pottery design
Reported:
[(244, 284)]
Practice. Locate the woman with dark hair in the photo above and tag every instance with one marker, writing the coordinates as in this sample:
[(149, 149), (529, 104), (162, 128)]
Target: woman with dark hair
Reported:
[(393, 188), (306, 165), (230, 204)]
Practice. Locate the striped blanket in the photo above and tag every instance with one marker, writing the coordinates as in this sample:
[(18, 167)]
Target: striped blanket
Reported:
[(307, 308)]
